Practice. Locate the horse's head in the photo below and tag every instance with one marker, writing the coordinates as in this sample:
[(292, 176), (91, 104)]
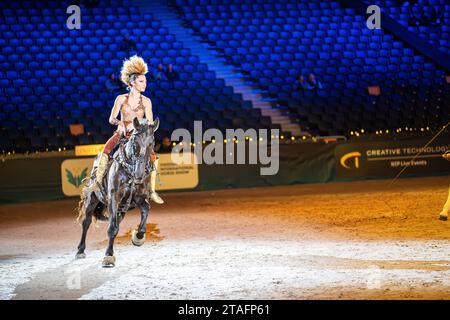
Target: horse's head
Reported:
[(141, 145)]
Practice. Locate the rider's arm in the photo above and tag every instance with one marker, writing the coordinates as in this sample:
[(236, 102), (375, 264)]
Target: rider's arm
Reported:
[(115, 110), (148, 110)]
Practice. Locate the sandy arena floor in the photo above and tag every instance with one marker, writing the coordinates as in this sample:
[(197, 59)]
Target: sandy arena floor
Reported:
[(356, 240)]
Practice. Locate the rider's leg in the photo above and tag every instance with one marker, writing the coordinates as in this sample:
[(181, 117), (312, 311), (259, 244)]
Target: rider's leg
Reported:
[(103, 161), (153, 195)]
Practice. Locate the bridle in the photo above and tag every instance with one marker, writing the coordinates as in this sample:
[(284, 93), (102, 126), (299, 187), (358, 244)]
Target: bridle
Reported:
[(131, 159)]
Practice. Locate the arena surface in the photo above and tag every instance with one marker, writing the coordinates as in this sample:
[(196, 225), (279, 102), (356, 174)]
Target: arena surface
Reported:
[(359, 240)]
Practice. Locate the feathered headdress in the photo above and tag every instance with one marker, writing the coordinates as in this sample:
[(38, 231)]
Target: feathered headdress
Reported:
[(131, 68)]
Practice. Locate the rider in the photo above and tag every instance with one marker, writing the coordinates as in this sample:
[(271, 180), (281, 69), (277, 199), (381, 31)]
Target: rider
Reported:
[(130, 105)]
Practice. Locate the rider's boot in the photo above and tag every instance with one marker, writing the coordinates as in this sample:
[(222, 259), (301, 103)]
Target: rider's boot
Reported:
[(153, 195), (101, 169)]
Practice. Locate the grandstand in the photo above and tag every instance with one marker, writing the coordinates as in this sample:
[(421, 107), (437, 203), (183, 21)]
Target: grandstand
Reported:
[(52, 77), (275, 42)]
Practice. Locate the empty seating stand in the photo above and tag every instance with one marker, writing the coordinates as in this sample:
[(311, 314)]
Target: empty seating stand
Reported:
[(430, 19), (51, 77), (275, 42)]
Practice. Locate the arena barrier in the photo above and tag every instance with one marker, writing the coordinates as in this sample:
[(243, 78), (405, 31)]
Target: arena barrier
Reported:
[(51, 178)]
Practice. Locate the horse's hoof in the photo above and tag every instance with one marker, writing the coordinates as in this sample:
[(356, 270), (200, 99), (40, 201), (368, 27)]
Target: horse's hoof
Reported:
[(80, 255), (443, 218), (135, 240), (109, 261)]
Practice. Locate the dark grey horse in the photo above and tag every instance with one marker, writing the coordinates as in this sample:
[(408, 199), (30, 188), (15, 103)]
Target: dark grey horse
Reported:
[(125, 186)]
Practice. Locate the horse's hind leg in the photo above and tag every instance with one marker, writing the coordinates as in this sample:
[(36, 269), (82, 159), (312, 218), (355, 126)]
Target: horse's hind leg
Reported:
[(87, 208)]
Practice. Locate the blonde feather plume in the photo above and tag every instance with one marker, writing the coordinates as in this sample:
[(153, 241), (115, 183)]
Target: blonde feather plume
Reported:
[(134, 65)]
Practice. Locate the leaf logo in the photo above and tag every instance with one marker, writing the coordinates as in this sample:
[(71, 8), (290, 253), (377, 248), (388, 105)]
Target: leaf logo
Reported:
[(76, 180)]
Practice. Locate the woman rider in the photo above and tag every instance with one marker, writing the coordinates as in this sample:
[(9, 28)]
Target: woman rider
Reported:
[(130, 105)]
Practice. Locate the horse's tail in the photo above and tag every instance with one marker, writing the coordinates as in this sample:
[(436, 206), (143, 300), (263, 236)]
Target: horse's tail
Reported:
[(81, 211), (84, 195), (100, 212)]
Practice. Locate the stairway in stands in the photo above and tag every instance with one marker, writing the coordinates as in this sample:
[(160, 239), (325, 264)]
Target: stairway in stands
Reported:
[(173, 23)]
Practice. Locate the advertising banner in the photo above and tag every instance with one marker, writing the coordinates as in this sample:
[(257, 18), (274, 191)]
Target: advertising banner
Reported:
[(388, 158), (172, 176)]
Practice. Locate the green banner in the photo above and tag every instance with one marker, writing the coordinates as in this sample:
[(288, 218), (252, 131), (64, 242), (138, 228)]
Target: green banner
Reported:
[(39, 179), (382, 159)]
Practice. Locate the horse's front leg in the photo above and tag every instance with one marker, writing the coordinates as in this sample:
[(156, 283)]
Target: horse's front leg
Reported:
[(109, 260), (138, 237)]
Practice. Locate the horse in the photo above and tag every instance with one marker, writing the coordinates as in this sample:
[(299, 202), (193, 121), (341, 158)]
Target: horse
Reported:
[(125, 186)]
